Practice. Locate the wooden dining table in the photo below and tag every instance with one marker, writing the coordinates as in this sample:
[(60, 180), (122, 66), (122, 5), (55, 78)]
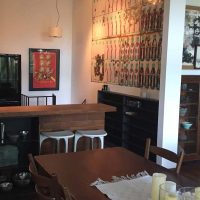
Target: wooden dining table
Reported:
[(78, 170)]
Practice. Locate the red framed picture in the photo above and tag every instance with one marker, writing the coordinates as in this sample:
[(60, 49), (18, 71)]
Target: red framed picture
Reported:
[(44, 67)]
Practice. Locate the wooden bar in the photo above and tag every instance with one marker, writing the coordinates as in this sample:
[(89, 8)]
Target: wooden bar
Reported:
[(37, 111), (57, 118), (60, 117)]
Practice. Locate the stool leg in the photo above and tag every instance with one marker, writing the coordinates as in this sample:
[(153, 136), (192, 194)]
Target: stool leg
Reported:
[(66, 145), (42, 138), (102, 142), (58, 145), (77, 136), (92, 139)]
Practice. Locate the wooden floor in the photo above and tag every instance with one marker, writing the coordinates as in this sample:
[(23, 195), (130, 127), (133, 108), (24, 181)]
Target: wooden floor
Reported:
[(191, 170)]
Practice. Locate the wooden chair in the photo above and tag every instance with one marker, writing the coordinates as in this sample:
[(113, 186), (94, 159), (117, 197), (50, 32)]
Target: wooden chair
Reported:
[(48, 188), (167, 154), (32, 163)]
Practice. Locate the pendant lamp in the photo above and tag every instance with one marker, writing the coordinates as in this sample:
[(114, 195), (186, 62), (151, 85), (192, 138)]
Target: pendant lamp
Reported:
[(56, 31)]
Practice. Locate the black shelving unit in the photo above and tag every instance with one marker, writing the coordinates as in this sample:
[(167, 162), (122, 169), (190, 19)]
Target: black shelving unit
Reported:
[(24, 145), (135, 120)]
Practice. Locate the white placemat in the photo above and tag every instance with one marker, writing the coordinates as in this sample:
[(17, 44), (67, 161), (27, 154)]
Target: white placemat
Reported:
[(134, 189)]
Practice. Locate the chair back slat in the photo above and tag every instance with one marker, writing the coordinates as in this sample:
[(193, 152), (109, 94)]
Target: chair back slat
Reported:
[(48, 188), (164, 153), (33, 164)]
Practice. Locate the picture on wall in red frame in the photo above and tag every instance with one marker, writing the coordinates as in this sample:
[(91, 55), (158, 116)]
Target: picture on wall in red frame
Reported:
[(44, 67)]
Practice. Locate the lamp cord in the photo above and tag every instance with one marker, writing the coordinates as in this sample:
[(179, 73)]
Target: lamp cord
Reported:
[(57, 13)]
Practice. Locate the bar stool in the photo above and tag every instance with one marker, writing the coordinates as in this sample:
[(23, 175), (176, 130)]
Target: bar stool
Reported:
[(91, 134), (57, 135)]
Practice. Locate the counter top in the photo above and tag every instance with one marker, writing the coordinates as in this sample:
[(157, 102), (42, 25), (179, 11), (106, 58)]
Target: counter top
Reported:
[(36, 111)]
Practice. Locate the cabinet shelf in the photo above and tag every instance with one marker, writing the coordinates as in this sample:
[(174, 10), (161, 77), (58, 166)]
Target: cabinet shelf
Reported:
[(144, 119), (110, 102), (189, 104), (147, 130)]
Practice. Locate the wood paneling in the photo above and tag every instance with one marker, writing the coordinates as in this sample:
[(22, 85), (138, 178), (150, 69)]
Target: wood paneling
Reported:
[(72, 121)]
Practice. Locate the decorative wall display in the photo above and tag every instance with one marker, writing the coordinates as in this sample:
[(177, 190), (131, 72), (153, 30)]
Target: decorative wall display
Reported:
[(44, 69), (191, 34), (197, 57), (127, 42)]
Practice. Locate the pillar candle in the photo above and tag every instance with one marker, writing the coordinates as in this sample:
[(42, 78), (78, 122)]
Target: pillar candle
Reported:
[(170, 197), (167, 190), (197, 193), (157, 180)]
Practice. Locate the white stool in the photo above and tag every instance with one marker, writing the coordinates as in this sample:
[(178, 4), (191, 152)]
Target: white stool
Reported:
[(57, 135), (91, 134)]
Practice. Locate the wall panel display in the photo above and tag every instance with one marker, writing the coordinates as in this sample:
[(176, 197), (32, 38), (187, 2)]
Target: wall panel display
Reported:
[(127, 42), (191, 34)]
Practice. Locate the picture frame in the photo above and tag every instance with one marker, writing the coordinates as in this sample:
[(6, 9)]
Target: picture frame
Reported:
[(44, 67), (197, 57), (191, 38)]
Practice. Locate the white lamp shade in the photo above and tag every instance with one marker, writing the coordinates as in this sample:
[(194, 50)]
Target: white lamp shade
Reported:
[(55, 31)]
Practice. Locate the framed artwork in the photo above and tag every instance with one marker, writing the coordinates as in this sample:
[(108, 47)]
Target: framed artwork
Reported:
[(44, 67), (197, 57), (126, 43), (191, 35)]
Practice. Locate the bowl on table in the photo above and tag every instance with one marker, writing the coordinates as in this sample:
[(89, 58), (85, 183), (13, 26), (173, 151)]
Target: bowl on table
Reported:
[(22, 179), (186, 125), (6, 186)]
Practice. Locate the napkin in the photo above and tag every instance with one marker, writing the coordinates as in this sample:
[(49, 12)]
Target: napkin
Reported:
[(134, 189)]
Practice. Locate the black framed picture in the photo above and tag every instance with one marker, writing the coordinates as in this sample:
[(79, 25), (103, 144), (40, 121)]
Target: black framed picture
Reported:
[(191, 35), (197, 57), (44, 67)]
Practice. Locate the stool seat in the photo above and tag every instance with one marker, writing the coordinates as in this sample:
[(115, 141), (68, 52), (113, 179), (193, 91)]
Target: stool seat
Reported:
[(91, 134), (88, 133), (58, 134), (66, 134)]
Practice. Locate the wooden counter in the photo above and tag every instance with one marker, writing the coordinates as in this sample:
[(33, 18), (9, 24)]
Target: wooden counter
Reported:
[(60, 117), (36, 111)]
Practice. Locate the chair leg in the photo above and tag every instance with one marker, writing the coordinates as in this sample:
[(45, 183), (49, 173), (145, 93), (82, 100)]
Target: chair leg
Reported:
[(76, 138), (102, 141)]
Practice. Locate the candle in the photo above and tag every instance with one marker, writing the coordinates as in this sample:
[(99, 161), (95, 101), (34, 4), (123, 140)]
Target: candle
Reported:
[(157, 180), (197, 193), (167, 190), (171, 197)]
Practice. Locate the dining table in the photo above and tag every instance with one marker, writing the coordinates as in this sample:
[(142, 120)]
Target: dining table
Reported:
[(77, 170)]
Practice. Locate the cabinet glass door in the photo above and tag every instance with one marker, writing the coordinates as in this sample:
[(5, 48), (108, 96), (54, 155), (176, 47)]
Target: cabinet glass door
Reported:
[(188, 124)]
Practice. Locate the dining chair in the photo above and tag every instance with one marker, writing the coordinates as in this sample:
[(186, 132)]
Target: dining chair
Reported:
[(165, 153), (48, 188), (33, 164)]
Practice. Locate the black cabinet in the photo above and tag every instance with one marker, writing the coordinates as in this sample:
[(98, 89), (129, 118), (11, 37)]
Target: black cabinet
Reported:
[(14, 149), (135, 120)]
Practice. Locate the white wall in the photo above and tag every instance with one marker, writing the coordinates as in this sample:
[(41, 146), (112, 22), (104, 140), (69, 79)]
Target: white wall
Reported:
[(24, 24), (81, 73), (169, 100)]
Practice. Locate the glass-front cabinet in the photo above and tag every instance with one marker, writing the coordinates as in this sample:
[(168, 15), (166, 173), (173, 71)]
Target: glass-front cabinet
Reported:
[(189, 117)]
